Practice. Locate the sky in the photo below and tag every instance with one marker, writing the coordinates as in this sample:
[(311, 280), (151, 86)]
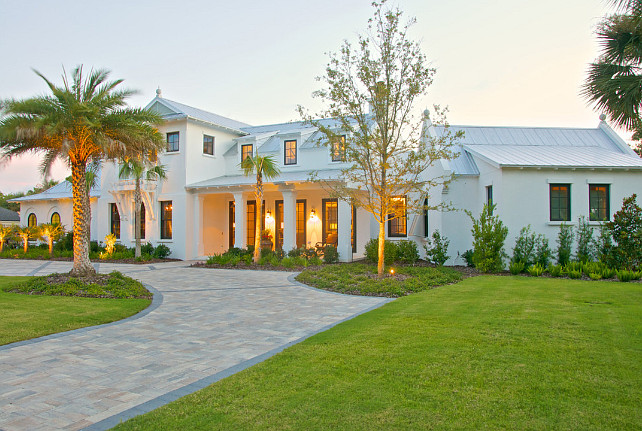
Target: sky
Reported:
[(498, 62)]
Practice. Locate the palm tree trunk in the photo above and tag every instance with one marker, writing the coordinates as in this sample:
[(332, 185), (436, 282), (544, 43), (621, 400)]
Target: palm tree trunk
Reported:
[(257, 219), (82, 265), (137, 202), (50, 242), (382, 241), (25, 243)]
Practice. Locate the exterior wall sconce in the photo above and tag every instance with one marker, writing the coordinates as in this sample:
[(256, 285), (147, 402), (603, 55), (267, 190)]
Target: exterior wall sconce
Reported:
[(313, 214), (268, 215)]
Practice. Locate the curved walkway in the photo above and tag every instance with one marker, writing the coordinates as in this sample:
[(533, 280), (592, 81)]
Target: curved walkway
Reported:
[(208, 325)]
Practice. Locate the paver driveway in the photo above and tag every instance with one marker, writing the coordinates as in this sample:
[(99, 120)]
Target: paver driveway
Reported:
[(207, 324)]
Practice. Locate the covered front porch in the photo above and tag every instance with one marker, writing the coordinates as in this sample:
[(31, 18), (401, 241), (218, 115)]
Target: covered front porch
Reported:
[(296, 215)]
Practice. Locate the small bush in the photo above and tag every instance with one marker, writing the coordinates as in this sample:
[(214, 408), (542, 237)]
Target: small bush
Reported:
[(608, 273), (437, 250), (584, 240), (603, 245), (624, 275), (147, 248), (489, 235), (555, 270), (516, 268), (626, 231), (524, 250), (407, 252), (330, 254), (247, 259), (315, 261), (272, 260), (564, 243), (535, 270), (595, 276), (301, 261), (573, 273), (389, 251), (468, 258), (161, 251), (287, 262)]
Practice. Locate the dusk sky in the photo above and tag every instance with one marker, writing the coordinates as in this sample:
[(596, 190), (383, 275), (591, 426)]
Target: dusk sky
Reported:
[(499, 63)]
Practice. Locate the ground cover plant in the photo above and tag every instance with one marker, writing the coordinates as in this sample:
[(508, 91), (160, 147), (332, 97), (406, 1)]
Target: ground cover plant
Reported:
[(486, 353), (362, 279), (29, 316)]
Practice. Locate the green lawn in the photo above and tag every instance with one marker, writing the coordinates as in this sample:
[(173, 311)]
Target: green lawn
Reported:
[(486, 353), (28, 316)]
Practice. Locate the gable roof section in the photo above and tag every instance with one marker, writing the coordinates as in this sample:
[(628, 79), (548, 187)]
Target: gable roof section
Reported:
[(8, 215), (171, 110), (61, 190), (539, 147)]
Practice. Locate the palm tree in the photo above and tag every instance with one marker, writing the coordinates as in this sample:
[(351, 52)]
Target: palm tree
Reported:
[(52, 232), (6, 232), (84, 120), (614, 81), (263, 167), (136, 169), (26, 233)]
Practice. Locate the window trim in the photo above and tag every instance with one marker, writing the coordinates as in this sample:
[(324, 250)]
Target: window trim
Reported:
[(178, 140), (550, 201), (324, 224), (35, 220), (278, 219), (305, 223), (251, 150), (607, 199), (164, 221), (285, 152), (114, 224), (213, 145), (405, 217), (51, 219)]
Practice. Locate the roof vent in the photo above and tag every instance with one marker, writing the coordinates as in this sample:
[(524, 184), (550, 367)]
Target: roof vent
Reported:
[(159, 93)]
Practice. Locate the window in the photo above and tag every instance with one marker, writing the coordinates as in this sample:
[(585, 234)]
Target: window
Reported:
[(114, 220), (250, 221), (339, 149), (289, 153), (246, 151), (278, 224), (172, 141), (301, 223), (142, 220), (208, 145), (231, 224), (353, 229), (330, 222), (32, 221), (55, 218), (397, 218), (560, 195), (166, 220), (426, 217), (489, 195), (599, 202)]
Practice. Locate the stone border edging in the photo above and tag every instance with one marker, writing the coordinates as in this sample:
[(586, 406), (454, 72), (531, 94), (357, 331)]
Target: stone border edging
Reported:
[(157, 301)]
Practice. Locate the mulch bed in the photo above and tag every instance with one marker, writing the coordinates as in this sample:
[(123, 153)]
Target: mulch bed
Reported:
[(254, 267)]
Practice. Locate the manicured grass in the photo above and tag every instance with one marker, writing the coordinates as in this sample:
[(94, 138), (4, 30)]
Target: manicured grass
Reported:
[(486, 353), (360, 279), (29, 316)]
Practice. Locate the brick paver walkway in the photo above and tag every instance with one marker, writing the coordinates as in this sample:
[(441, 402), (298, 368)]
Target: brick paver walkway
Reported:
[(206, 325)]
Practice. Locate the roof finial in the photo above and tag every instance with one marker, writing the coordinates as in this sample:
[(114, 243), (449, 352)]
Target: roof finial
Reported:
[(158, 92), (602, 117)]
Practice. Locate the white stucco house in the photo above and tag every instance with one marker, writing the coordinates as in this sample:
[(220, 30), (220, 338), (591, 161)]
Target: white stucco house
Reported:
[(537, 176)]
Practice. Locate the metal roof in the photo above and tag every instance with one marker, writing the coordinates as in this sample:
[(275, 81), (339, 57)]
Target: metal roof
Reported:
[(59, 191), (181, 111), (541, 147), (8, 215), (284, 177)]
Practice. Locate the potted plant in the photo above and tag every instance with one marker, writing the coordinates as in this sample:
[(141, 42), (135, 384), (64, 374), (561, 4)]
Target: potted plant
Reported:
[(266, 239)]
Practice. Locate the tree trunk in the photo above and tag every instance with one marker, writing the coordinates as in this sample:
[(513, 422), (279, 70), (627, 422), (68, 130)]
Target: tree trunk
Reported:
[(25, 243), (382, 241), (50, 241), (138, 221), (257, 220), (82, 265), (1, 244)]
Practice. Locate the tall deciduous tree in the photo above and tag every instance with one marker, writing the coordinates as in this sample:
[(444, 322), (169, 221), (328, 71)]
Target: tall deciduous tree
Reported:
[(387, 150), (264, 167), (614, 81), (138, 169), (84, 120)]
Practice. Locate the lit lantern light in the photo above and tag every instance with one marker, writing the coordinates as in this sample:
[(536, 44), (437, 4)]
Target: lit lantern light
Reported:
[(268, 215), (392, 271), (313, 214)]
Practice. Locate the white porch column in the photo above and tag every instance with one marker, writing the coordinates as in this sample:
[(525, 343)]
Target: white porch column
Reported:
[(289, 220), (198, 226), (344, 246), (239, 220)]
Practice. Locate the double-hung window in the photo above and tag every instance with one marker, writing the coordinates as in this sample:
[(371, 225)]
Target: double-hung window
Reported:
[(172, 142), (208, 145), (339, 149), (397, 218), (599, 202), (289, 152), (166, 220), (560, 202), (246, 151), (114, 220)]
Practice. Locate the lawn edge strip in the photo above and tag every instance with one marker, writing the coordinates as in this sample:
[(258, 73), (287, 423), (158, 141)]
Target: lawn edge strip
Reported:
[(174, 395), (157, 301)]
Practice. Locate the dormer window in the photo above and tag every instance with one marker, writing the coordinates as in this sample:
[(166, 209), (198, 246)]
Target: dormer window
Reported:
[(339, 149), (172, 142), (289, 152), (208, 145), (246, 151)]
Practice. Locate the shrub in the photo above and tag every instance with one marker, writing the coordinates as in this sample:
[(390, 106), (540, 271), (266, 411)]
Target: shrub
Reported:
[(315, 261), (489, 235), (584, 240), (524, 251), (516, 267), (437, 253), (555, 270), (66, 243), (147, 248), (94, 247), (603, 245), (573, 273), (330, 254), (542, 251), (626, 231), (110, 244), (161, 251), (247, 258), (535, 270), (608, 273), (407, 252), (595, 276), (287, 262), (564, 243), (468, 258), (624, 275), (301, 261), (389, 251)]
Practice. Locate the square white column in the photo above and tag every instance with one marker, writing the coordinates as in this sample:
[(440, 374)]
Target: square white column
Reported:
[(239, 220), (289, 220), (198, 249), (344, 245)]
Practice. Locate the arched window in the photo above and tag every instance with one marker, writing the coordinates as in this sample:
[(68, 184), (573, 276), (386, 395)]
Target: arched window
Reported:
[(32, 221), (55, 218)]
